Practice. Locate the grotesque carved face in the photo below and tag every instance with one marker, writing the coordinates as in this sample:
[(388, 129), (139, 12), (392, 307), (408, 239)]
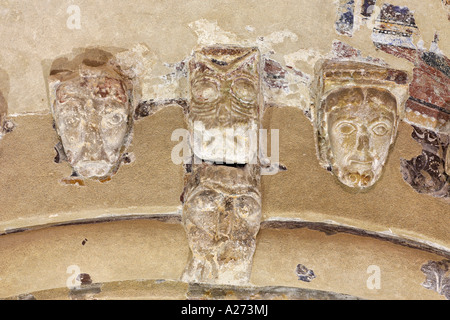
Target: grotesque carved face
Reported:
[(222, 218), (225, 103), (361, 125), (93, 117)]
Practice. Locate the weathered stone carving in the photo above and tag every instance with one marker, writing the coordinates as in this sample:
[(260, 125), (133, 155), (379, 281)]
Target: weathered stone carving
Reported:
[(93, 109), (428, 173), (221, 200), (225, 104), (437, 277), (6, 125), (356, 114), (221, 216)]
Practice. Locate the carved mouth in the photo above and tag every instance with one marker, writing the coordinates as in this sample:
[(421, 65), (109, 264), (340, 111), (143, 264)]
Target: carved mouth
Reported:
[(356, 179), (362, 164)]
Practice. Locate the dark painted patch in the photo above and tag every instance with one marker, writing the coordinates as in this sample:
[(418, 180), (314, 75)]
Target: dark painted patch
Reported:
[(304, 274), (426, 173), (275, 75), (345, 20), (438, 62), (398, 15), (437, 277), (220, 63), (84, 279), (150, 107), (368, 8), (84, 242)]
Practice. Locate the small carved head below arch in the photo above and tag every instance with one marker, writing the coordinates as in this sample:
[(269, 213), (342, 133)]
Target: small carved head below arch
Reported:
[(358, 108), (93, 113)]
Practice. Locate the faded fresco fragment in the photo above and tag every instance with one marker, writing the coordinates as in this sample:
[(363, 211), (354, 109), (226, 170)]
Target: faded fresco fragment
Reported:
[(437, 277), (345, 20), (428, 107), (427, 173)]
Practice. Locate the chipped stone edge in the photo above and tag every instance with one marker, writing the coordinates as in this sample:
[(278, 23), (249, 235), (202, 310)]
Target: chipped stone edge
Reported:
[(328, 227), (189, 291)]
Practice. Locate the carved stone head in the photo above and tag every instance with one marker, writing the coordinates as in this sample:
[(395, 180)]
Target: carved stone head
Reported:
[(93, 113), (225, 103), (356, 115), (221, 215)]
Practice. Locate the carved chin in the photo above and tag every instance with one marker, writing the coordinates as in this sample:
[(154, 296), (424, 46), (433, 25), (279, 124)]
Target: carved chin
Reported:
[(93, 169), (358, 180)]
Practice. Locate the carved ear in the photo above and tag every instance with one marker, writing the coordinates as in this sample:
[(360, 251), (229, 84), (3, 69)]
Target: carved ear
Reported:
[(53, 83)]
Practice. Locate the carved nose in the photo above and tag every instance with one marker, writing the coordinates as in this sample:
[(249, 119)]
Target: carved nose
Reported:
[(92, 142), (363, 143), (223, 111)]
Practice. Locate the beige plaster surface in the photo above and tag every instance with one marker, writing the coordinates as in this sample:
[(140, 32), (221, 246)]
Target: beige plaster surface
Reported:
[(123, 256), (341, 264), (30, 181), (308, 192), (293, 32), (117, 251), (32, 194), (297, 31)]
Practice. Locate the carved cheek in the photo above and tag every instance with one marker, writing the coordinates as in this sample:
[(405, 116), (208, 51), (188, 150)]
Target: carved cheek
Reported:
[(114, 128), (69, 126), (201, 210), (380, 138), (343, 139), (205, 94), (249, 209)]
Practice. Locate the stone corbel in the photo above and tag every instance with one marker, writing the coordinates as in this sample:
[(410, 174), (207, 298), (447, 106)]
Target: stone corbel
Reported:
[(222, 199), (356, 112), (93, 104)]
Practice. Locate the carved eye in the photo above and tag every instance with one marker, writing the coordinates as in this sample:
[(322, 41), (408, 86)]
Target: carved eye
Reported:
[(205, 91), (381, 129), (346, 128), (244, 90), (115, 119)]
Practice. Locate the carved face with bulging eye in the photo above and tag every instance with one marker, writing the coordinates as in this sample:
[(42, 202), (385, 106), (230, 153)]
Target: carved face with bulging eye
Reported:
[(361, 126), (225, 94), (93, 118)]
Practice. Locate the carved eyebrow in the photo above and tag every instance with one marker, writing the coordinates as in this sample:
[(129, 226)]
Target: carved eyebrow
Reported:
[(345, 118), (63, 99), (197, 190), (381, 119)]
